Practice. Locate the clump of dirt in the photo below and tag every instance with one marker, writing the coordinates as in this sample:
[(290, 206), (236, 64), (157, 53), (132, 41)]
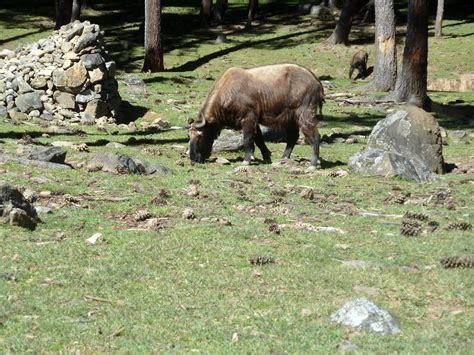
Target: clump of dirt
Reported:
[(463, 226), (273, 226), (414, 215), (138, 220), (161, 198), (399, 198), (459, 261), (410, 228), (262, 260), (432, 226), (142, 215)]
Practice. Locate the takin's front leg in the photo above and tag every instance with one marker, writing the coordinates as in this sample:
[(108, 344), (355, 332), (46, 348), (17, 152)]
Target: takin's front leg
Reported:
[(262, 146), (314, 139), (249, 140)]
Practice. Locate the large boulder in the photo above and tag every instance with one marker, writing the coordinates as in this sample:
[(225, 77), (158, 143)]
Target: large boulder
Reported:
[(406, 143), (15, 209)]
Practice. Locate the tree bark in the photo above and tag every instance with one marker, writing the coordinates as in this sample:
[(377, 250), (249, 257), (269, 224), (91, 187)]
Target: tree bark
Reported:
[(76, 10), (252, 9), (385, 69), (63, 12), (206, 8), (219, 10), (412, 78), (344, 24), (153, 49), (439, 19)]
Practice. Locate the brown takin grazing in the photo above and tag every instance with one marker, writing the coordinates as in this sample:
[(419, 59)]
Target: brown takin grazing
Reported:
[(359, 62), (283, 97)]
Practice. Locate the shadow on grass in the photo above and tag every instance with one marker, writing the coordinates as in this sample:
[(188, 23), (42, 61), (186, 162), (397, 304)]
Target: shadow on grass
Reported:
[(132, 141), (454, 116)]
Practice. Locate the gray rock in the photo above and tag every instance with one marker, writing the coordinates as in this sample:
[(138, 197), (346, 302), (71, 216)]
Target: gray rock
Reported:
[(3, 111), (70, 80), (113, 163), (64, 100), (43, 209), (29, 102), (364, 315), (148, 168), (86, 96), (46, 154), (133, 80), (85, 40), (457, 135), (382, 163), (15, 209), (411, 132), (38, 82), (115, 145), (23, 86), (18, 116), (228, 140), (97, 108), (407, 143), (92, 61), (347, 346), (73, 32), (7, 53), (97, 75), (123, 164), (221, 38)]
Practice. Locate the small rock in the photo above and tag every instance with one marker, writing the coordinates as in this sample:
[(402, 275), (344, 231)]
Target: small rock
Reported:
[(347, 346), (29, 102), (38, 82), (364, 315), (92, 61), (95, 238), (222, 161), (188, 213), (85, 40), (64, 100)]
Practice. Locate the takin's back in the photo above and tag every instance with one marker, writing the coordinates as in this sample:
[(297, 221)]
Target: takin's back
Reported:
[(269, 90)]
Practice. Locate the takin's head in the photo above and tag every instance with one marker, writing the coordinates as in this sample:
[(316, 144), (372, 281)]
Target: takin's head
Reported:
[(201, 139)]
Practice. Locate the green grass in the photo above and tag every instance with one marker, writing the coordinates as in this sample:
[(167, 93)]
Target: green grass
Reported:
[(190, 286)]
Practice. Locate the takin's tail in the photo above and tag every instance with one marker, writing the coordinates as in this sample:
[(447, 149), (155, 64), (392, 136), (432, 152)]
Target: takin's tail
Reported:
[(321, 106)]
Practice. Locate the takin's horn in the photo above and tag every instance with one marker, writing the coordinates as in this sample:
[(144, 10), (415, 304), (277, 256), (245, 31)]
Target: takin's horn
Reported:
[(202, 124)]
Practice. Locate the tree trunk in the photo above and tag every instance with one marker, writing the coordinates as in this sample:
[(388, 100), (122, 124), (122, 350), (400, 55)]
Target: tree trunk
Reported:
[(76, 10), (63, 12), (385, 69), (252, 9), (411, 80), (153, 50), (206, 8), (439, 19), (344, 24), (219, 10)]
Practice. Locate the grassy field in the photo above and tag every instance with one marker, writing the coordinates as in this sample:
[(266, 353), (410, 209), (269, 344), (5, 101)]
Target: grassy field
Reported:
[(188, 286)]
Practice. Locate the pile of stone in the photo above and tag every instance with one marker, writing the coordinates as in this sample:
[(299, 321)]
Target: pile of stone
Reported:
[(66, 77)]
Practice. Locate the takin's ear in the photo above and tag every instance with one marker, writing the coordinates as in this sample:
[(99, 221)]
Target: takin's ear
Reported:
[(190, 122)]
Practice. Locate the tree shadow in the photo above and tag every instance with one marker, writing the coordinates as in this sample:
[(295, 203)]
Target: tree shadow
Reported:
[(454, 116)]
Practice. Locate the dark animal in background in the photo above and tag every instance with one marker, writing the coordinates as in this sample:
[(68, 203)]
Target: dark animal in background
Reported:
[(281, 97), (359, 62)]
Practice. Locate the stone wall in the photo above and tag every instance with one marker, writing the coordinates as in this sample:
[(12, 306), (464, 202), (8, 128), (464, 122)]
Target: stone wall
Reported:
[(66, 77)]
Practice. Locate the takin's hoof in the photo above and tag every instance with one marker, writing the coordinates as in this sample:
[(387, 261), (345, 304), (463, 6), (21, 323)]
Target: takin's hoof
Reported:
[(245, 163), (311, 169)]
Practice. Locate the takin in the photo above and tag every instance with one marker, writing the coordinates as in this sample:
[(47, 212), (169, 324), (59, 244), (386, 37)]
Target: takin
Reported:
[(359, 62), (284, 97)]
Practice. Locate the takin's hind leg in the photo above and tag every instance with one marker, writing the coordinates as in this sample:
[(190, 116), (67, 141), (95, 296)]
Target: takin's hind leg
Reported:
[(262, 146), (292, 135), (249, 143)]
